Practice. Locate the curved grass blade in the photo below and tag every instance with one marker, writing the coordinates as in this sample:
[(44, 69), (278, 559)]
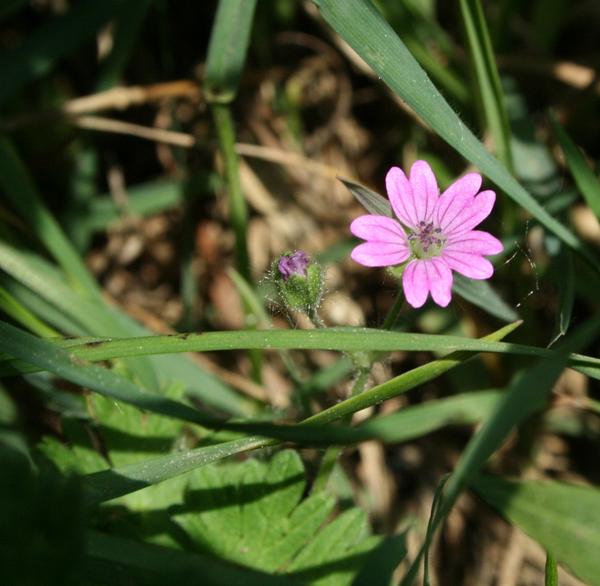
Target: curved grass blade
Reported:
[(13, 307), (564, 519), (101, 380), (360, 24), (343, 339)]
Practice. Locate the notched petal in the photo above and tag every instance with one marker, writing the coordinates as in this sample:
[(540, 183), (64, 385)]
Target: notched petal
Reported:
[(400, 194)]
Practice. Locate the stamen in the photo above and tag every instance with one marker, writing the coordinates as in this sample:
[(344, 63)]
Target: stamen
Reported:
[(425, 241)]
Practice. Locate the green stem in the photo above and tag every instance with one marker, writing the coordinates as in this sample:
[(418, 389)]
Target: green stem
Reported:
[(392, 317), (238, 211), (332, 453), (551, 577)]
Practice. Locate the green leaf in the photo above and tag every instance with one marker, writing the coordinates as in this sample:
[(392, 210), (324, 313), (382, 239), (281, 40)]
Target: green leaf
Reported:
[(343, 546), (585, 179), (418, 420), (483, 295), (365, 30), (143, 200), (373, 202), (563, 518), (106, 485), (227, 49), (565, 271), (250, 513), (253, 513), (10, 305)]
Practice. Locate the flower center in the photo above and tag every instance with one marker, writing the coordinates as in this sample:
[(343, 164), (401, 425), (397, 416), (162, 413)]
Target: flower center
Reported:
[(426, 241)]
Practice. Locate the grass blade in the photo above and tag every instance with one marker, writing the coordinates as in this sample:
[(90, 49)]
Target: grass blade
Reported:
[(17, 184), (97, 319), (13, 307), (346, 339), (49, 357), (227, 49), (488, 79)]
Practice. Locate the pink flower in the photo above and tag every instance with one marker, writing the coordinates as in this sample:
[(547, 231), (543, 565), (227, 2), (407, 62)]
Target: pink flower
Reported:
[(433, 232)]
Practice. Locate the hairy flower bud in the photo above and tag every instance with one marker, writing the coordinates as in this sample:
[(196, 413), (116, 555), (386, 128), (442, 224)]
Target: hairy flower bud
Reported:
[(299, 281)]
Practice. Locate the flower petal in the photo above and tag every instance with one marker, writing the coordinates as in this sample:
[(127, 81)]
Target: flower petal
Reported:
[(454, 199), (440, 281), (378, 229), (400, 193), (474, 242), (425, 190), (380, 254), (474, 212), (423, 276), (414, 283), (473, 266)]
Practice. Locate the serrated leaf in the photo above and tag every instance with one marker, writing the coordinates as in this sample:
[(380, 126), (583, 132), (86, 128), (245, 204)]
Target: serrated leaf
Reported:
[(252, 513), (564, 519), (337, 552)]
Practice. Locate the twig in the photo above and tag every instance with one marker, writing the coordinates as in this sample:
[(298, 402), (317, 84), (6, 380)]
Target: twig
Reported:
[(119, 127), (119, 98)]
